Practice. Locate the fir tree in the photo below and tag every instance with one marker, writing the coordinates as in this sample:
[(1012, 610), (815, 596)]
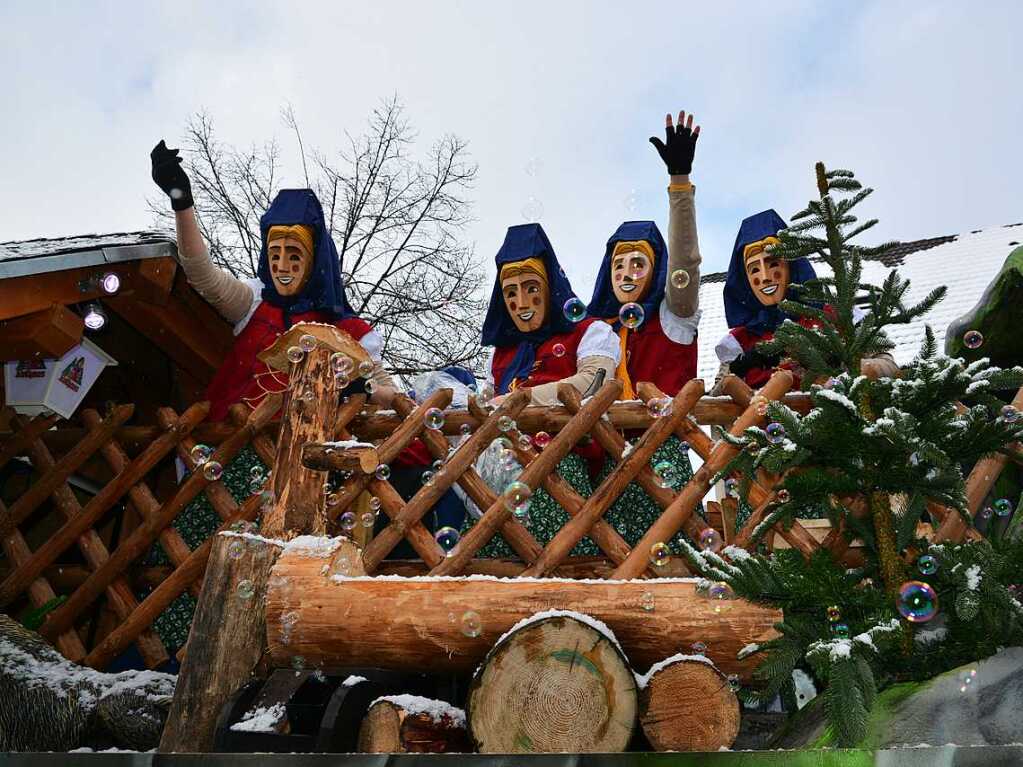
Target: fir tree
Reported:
[(870, 440)]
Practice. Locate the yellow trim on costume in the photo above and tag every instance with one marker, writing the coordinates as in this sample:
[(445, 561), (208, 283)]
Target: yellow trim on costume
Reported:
[(527, 266), (629, 246), (756, 248), (300, 232), (686, 187), (623, 364)]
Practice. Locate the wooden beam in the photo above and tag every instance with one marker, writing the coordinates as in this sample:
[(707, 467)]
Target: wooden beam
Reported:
[(156, 279), (47, 333)]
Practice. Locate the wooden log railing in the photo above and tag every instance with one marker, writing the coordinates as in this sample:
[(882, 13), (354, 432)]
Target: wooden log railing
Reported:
[(44, 525)]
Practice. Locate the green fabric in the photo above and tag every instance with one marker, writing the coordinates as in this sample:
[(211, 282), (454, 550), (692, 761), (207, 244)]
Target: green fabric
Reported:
[(546, 517), (196, 523)]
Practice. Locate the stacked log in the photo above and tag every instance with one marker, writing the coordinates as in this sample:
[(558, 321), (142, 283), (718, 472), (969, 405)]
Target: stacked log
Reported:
[(409, 724)]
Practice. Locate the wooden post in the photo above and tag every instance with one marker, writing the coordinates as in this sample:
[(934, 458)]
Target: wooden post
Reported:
[(227, 640), (309, 415)]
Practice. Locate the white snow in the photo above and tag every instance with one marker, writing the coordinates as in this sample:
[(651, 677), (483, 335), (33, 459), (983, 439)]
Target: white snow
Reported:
[(840, 648), (838, 399), (261, 719), (589, 620), (313, 546), (345, 444), (736, 553), (748, 650), (437, 710), (973, 577), (253, 537), (353, 680), (642, 680), (495, 578)]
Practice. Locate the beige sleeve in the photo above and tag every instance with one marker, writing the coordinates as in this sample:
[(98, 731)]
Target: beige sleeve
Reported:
[(683, 248), (881, 366), (547, 394), (225, 292), (384, 388)]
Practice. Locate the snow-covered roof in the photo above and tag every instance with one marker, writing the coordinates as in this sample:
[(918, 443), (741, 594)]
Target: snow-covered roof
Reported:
[(52, 255), (965, 263)]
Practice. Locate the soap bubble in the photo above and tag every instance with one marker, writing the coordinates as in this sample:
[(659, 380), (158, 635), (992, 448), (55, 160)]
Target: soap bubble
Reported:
[(775, 433), (374, 503), (332, 499), (471, 623), (347, 521), (1002, 507), (783, 496), (1010, 414), (525, 441), (434, 418), (680, 278), (834, 613), (732, 487), (917, 601), (502, 443), (541, 439), (532, 211), (734, 683), (383, 472), (295, 354), (702, 588), (246, 589), (307, 342), (340, 363), (985, 513), (200, 454), (646, 601), (368, 519), (298, 663), (966, 679), (698, 647), (505, 423), (658, 407), (762, 408), (256, 472), (559, 350), (666, 474), (427, 477), (447, 538), (235, 549), (927, 564), (438, 465), (574, 309), (720, 591), (342, 380), (973, 339), (465, 429), (533, 166), (840, 631), (365, 369), (517, 498), (212, 470), (660, 554), (710, 540), (631, 315)]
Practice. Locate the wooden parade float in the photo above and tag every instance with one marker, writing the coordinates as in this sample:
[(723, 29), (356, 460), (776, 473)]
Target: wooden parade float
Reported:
[(93, 494)]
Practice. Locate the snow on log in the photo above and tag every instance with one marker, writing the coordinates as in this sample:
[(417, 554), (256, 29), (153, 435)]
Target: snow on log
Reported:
[(316, 611), (409, 724), (555, 682), (685, 704)]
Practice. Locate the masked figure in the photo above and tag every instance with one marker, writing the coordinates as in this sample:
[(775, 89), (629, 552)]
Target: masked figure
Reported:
[(638, 269), (537, 344), (299, 280)]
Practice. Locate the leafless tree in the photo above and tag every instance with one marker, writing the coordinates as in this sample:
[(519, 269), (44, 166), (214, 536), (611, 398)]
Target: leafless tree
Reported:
[(398, 223)]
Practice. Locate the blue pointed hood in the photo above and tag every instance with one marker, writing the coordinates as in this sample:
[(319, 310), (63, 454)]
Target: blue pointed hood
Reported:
[(325, 290), (604, 303), (742, 307), (522, 242)]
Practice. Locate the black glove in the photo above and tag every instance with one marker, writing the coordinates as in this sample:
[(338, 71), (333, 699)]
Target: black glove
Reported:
[(751, 360), (171, 177), (677, 149)]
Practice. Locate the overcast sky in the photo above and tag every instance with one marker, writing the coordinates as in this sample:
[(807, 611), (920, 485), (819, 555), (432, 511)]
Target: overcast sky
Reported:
[(923, 100)]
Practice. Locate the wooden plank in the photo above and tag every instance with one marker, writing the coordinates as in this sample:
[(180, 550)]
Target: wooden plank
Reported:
[(60, 541), (45, 485), (615, 483), (495, 516), (681, 509), (150, 529), (48, 334), (120, 597), (40, 592), (34, 292), (155, 279), (216, 492), (16, 442), (142, 497)]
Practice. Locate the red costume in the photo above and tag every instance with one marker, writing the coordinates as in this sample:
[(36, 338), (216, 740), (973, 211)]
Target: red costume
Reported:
[(548, 366)]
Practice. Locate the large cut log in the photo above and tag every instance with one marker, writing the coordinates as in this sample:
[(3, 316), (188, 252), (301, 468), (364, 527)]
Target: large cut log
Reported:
[(417, 623), (225, 642), (409, 724), (555, 683), (685, 704)]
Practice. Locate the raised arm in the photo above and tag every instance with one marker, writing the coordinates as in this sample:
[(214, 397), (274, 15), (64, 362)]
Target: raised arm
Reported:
[(225, 292), (682, 290)]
